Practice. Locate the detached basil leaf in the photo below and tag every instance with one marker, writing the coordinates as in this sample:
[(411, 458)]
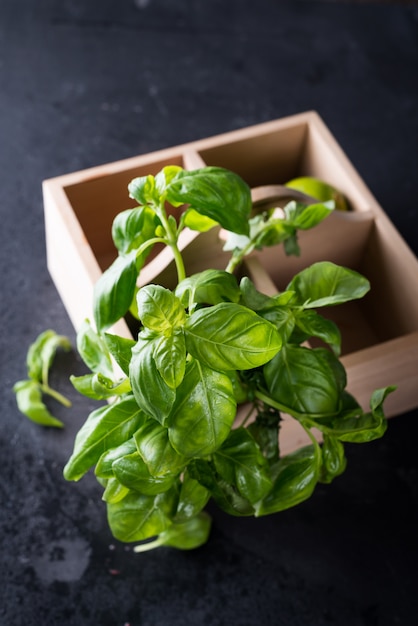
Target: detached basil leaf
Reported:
[(240, 462), (114, 291), (29, 402), (325, 284), (138, 517), (106, 427), (216, 193), (305, 381), (42, 352), (294, 481), (203, 412), (151, 391), (229, 336)]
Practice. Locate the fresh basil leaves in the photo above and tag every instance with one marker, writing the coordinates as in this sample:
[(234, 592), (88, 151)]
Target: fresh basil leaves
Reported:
[(167, 439)]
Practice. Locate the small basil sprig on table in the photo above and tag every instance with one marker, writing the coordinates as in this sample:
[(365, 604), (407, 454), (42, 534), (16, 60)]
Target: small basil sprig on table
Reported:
[(167, 440), (30, 392)]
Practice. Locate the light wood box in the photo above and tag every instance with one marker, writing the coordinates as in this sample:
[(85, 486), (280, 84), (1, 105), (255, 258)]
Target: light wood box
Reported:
[(380, 333)]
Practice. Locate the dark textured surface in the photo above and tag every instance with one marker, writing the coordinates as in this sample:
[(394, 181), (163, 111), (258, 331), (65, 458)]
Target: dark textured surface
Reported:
[(83, 83)]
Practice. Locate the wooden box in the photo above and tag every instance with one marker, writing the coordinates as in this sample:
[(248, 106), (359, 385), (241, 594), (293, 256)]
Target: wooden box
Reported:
[(380, 333)]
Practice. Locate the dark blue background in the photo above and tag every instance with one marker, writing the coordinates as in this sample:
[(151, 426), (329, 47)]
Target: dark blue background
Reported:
[(88, 82)]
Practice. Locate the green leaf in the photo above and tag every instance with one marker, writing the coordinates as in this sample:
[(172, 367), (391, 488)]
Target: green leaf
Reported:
[(153, 445), (114, 291), (99, 387), (42, 352), (275, 309), (203, 412), (305, 217), (114, 491), (170, 358), (165, 176), (138, 517), (291, 245), (151, 392), (225, 495), (121, 350), (193, 498), (187, 535), (229, 336), (294, 481), (216, 193), (333, 459), (208, 287), (378, 398), (93, 350), (325, 284), (314, 325), (143, 190), (252, 298), (265, 431), (352, 424), (159, 309), (305, 381), (131, 228), (239, 388), (29, 402), (106, 427), (104, 467), (240, 463), (265, 234), (195, 221), (131, 471)]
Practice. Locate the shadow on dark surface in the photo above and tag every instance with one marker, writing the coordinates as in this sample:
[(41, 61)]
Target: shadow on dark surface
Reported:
[(87, 83)]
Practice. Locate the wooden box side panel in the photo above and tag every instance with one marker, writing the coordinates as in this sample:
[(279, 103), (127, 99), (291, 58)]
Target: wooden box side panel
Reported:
[(392, 269), (324, 159), (393, 362), (97, 200), (272, 156), (71, 263)]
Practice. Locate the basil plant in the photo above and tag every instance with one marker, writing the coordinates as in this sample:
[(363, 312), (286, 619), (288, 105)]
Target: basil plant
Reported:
[(166, 439)]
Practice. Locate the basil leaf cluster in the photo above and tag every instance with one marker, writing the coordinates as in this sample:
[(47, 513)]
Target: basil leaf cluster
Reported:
[(167, 438)]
